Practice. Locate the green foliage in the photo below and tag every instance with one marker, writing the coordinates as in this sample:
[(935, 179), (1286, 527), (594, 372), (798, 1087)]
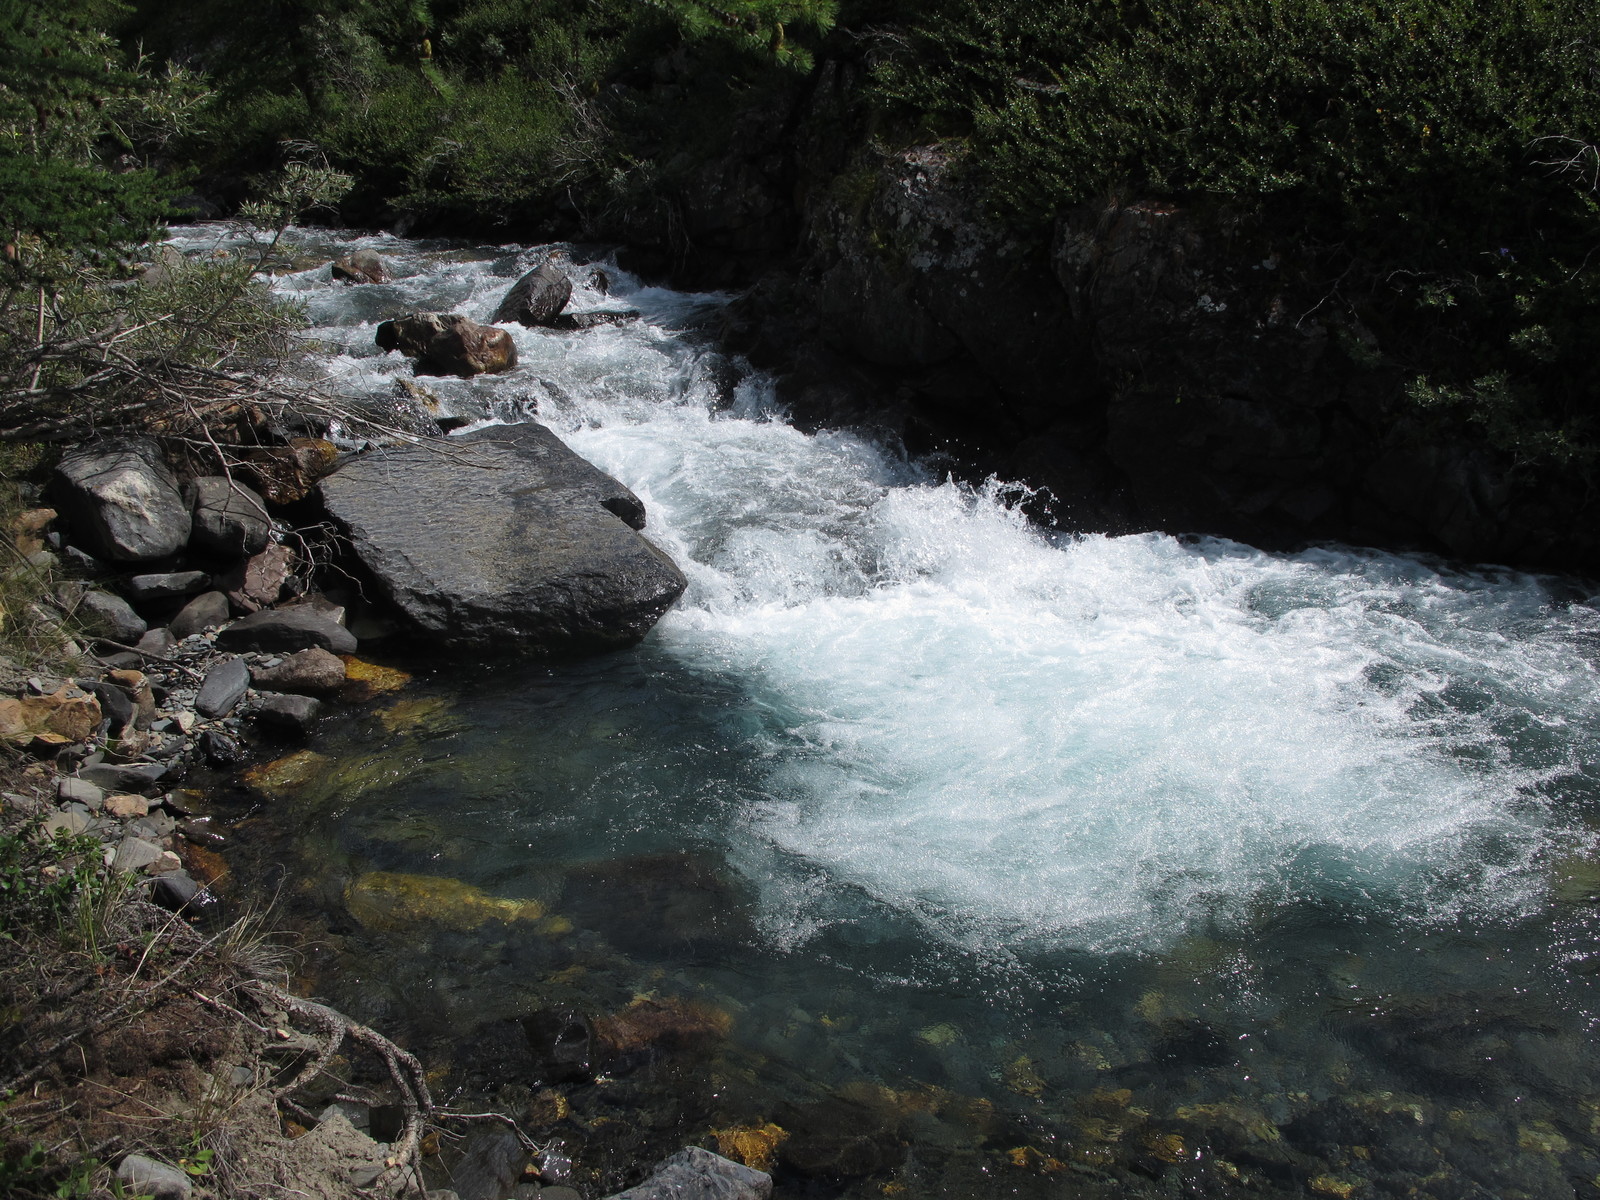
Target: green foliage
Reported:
[(1436, 158), (45, 881)]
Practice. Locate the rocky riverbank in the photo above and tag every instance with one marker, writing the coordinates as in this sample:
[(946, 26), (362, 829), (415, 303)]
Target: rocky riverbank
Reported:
[(206, 622)]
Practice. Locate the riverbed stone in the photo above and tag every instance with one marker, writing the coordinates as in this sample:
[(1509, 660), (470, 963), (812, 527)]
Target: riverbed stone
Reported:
[(228, 517), (449, 344), (535, 551), (206, 611), (697, 1174), (295, 714), (124, 777), (147, 1177), (224, 686), (313, 672), (364, 266), (136, 854), (259, 581), (537, 298), (492, 1163), (104, 615), (297, 628), (166, 585), (122, 500)]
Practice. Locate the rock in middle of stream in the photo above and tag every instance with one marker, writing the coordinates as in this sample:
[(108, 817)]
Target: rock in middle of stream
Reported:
[(504, 539)]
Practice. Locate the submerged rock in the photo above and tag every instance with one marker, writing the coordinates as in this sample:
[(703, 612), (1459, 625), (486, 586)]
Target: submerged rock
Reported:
[(696, 1174), (535, 549), (388, 900)]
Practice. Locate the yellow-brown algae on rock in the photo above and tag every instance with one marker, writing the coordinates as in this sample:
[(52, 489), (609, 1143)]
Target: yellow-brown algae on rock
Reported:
[(1332, 1185), (408, 716), (756, 1146), (287, 773), (671, 1023), (1234, 1118), (387, 900), (1022, 1079), (367, 681)]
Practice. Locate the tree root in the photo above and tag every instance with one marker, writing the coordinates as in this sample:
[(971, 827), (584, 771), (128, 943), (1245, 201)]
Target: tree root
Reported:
[(404, 1162)]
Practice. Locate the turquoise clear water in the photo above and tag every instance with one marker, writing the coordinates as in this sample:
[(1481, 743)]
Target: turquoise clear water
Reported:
[(1005, 862)]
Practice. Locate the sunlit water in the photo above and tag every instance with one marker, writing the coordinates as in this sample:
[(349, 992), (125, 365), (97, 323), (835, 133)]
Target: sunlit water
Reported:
[(1148, 859)]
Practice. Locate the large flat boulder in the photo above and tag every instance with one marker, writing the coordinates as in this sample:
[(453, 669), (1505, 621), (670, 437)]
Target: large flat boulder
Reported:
[(504, 539)]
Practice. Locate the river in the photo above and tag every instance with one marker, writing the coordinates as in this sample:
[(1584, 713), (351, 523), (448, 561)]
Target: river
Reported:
[(977, 859)]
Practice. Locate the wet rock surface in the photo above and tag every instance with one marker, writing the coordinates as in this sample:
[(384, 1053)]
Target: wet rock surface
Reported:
[(537, 298), (449, 344), (532, 556)]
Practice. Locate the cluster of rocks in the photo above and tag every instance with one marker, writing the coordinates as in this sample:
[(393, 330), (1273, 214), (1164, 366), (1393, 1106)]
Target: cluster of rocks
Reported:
[(451, 344)]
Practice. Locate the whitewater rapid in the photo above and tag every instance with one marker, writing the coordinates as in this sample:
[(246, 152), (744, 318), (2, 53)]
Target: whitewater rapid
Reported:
[(1018, 740)]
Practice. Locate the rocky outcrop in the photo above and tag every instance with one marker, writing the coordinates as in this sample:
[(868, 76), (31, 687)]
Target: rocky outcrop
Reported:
[(537, 298), (123, 500), (449, 344), (537, 550)]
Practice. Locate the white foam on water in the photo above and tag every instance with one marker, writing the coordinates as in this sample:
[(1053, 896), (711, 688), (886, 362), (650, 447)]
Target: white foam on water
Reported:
[(1021, 741)]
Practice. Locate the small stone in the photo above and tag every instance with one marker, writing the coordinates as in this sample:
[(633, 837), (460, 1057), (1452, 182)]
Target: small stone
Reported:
[(135, 854), (365, 1177), (167, 863), (224, 686), (80, 791), (206, 611), (127, 805), (220, 750), (294, 713), (241, 1077), (359, 1115), (66, 822), (185, 720), (258, 582), (159, 642), (164, 586), (123, 777), (174, 890), (146, 1176)]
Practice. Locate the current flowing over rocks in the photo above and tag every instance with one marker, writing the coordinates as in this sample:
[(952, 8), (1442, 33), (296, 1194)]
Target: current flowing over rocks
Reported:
[(954, 842)]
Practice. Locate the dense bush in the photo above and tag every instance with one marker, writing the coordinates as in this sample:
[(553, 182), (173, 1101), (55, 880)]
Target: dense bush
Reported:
[(1437, 159)]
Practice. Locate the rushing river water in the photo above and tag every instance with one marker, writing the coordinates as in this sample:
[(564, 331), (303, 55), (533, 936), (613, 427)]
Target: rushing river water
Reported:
[(979, 861)]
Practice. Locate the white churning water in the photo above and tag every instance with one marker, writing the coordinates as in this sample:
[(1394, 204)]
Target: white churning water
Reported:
[(1022, 741)]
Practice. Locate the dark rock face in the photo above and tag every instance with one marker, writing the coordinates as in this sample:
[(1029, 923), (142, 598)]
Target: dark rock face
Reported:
[(229, 518), (123, 501), (1152, 367), (537, 553), (537, 298), (108, 616), (449, 344), (593, 320), (364, 266), (292, 714)]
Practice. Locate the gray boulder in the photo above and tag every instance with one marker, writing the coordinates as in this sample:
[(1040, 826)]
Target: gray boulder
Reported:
[(448, 344), (122, 500), (164, 587), (205, 611), (298, 628), (313, 672), (492, 1164), (696, 1174), (104, 615), (229, 518), (535, 550), (225, 685), (537, 298)]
